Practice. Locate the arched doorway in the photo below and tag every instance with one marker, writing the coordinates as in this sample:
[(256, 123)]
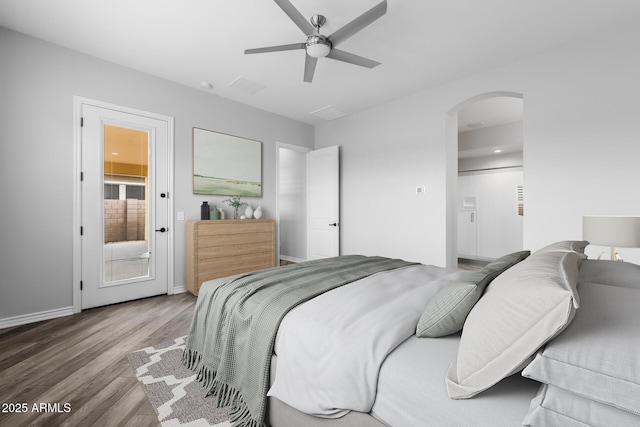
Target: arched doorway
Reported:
[(485, 177)]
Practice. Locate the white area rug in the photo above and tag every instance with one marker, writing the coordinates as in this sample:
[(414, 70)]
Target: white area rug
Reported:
[(172, 389)]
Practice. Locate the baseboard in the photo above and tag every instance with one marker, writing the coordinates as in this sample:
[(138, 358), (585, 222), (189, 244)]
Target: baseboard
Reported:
[(179, 290), (291, 259), (35, 317)]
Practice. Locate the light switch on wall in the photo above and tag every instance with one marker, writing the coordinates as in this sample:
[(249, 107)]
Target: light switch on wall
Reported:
[(421, 190), (180, 216)]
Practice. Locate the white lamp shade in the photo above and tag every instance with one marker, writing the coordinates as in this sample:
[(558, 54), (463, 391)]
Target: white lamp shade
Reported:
[(615, 231)]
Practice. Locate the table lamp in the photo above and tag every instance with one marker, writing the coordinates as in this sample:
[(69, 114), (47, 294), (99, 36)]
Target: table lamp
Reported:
[(613, 231)]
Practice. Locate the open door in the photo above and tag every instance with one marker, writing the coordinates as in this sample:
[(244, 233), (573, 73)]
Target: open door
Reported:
[(323, 203)]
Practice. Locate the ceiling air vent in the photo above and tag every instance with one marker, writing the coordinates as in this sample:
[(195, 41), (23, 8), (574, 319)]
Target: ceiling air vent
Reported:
[(328, 113), (475, 125), (247, 86)]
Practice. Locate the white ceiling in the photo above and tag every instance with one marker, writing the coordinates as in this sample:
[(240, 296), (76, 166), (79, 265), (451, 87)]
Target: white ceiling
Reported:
[(490, 112), (485, 114), (419, 43)]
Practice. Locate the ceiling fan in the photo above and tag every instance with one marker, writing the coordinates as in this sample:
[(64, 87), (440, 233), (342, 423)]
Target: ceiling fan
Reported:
[(319, 46)]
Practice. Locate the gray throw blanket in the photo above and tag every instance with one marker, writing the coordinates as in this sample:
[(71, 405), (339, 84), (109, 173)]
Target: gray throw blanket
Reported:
[(236, 320)]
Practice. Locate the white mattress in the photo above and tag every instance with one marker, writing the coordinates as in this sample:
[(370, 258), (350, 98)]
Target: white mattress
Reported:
[(411, 390)]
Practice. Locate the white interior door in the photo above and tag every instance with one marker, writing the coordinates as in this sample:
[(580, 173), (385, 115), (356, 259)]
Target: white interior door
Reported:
[(124, 206), (323, 208)]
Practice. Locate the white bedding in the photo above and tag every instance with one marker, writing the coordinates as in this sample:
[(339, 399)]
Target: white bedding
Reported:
[(327, 364), (411, 390)]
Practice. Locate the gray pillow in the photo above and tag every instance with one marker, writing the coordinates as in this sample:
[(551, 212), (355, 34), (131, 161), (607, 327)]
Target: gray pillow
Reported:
[(447, 310)]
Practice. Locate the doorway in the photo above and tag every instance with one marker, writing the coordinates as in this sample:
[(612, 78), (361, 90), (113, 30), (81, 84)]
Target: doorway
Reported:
[(292, 202), (123, 208), (490, 178), (308, 202)]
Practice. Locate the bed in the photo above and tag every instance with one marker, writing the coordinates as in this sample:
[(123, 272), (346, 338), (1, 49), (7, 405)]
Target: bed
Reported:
[(548, 338)]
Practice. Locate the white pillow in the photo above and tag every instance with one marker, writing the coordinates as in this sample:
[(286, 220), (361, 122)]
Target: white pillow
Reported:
[(598, 354), (554, 406), (565, 245), (520, 311), (612, 273)]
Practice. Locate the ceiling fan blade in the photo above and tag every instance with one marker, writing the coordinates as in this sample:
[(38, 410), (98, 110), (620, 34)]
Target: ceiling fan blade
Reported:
[(296, 16), (309, 67), (359, 23), (341, 55), (293, 46)]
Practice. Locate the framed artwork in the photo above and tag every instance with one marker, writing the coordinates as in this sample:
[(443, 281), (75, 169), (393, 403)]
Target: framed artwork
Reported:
[(226, 165)]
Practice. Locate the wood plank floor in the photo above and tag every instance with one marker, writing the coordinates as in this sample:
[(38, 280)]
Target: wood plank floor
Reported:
[(81, 361)]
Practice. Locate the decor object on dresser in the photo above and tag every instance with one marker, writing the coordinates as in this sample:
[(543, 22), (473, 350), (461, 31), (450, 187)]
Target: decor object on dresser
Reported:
[(612, 231), (248, 212), (215, 213), (226, 164), (205, 212), (224, 248), (235, 202)]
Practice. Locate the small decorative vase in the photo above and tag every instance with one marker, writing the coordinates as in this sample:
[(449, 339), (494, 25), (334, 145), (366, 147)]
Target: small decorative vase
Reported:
[(257, 214), (204, 210), (248, 212), (222, 216), (215, 213)]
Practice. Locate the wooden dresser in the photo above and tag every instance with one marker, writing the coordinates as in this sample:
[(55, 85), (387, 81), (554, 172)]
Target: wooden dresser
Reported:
[(220, 248)]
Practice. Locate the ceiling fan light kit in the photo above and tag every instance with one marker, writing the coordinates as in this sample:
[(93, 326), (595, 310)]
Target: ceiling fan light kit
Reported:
[(320, 46)]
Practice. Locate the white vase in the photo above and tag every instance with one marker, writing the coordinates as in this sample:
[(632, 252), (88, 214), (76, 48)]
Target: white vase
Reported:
[(257, 214), (248, 212)]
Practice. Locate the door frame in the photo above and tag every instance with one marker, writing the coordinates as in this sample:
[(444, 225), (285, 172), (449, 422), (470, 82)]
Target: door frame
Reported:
[(78, 102)]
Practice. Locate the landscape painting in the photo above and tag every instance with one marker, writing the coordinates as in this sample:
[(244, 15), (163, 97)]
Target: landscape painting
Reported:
[(226, 165)]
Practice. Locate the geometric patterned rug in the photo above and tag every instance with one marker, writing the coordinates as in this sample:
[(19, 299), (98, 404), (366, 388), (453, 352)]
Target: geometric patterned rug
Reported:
[(178, 399)]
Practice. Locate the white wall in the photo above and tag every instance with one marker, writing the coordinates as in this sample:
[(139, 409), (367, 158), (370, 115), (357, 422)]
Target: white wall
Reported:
[(581, 140), (385, 154), (37, 83)]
